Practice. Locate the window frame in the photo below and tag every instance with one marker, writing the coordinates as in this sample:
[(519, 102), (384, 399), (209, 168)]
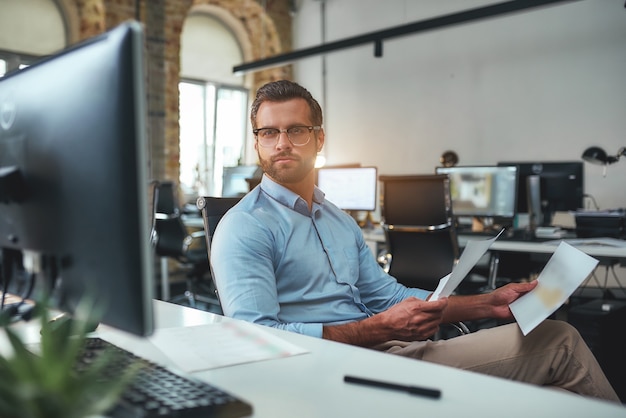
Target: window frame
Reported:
[(210, 170)]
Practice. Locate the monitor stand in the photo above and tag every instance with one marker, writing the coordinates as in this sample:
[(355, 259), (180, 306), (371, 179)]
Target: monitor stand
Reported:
[(368, 222), (481, 224)]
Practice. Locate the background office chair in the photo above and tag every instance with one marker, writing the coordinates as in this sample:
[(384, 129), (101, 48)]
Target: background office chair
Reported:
[(422, 245), (213, 209), (172, 240)]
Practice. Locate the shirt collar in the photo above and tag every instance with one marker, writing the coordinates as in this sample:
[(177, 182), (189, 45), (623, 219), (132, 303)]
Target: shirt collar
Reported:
[(288, 198)]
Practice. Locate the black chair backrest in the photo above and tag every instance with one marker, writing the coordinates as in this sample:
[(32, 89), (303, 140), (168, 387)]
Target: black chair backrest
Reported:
[(213, 208), (417, 220), (166, 198), (169, 231), (170, 237), (419, 200)]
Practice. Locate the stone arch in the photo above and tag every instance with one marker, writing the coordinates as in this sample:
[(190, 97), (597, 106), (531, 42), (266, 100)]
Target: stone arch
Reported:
[(255, 32), (71, 17)]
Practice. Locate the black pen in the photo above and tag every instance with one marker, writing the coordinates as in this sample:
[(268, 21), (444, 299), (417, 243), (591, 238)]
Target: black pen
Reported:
[(414, 390)]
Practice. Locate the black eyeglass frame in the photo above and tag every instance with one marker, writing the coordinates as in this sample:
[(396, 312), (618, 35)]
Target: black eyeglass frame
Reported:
[(286, 131)]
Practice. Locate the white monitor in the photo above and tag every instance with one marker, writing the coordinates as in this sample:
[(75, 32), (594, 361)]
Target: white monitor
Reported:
[(350, 188)]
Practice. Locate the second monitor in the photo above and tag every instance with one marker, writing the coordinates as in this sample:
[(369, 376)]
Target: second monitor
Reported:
[(483, 191)]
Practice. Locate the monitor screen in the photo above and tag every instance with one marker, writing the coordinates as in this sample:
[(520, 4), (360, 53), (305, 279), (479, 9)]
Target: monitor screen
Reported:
[(561, 184), (73, 178), (482, 191), (235, 181), (350, 188)]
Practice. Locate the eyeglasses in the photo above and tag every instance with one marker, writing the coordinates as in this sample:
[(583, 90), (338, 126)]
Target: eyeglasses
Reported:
[(298, 135)]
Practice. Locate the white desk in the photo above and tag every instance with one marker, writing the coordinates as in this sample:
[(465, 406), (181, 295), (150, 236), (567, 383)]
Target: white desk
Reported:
[(607, 255), (376, 235), (537, 247), (311, 385)]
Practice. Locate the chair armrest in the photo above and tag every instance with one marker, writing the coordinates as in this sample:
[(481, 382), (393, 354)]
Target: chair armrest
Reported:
[(194, 239)]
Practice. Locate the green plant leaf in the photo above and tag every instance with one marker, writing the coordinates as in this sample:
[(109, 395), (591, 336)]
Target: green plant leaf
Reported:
[(48, 384)]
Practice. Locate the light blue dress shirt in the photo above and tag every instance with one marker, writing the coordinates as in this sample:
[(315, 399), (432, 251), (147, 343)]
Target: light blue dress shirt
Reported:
[(277, 264)]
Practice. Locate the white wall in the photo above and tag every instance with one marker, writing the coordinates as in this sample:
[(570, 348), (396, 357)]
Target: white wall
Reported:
[(31, 26), (538, 85)]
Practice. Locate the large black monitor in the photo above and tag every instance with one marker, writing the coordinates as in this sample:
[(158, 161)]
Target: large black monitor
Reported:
[(73, 182), (349, 188), (482, 191), (561, 185)]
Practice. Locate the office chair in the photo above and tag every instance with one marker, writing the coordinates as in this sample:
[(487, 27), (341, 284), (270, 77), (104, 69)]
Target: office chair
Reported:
[(422, 245), (213, 209), (172, 240)]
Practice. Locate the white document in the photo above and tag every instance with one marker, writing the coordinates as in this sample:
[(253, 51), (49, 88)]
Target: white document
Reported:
[(473, 251), (220, 344), (565, 271)]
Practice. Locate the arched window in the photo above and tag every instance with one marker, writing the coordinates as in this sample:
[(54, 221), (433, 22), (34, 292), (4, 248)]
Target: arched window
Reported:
[(213, 105)]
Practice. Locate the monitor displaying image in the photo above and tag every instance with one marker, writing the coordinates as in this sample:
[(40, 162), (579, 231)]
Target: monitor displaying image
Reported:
[(482, 191)]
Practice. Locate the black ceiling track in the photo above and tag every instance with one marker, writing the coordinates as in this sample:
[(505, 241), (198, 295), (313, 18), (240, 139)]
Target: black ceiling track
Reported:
[(376, 38)]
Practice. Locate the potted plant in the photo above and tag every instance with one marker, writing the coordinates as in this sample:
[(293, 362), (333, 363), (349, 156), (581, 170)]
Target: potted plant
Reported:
[(46, 383)]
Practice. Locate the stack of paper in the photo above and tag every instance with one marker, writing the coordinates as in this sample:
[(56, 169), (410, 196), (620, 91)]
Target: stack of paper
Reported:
[(220, 344)]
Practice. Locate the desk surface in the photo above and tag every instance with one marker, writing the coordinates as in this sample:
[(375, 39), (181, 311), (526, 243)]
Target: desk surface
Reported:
[(594, 250), (539, 247), (311, 385)]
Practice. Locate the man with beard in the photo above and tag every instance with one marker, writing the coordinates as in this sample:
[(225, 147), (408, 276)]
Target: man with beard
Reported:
[(287, 258)]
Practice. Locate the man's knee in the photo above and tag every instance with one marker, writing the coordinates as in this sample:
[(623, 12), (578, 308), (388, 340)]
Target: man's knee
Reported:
[(559, 332)]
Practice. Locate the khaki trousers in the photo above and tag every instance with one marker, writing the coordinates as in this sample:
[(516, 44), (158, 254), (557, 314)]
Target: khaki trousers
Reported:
[(553, 354)]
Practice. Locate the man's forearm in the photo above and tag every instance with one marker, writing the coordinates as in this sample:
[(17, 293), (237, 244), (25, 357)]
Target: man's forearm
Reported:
[(410, 320), (467, 308), (363, 333)]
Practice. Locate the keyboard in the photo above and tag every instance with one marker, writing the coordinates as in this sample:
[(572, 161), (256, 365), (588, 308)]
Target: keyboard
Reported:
[(159, 392)]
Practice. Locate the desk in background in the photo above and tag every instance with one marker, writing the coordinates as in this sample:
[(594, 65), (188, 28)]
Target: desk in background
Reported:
[(607, 255), (311, 385)]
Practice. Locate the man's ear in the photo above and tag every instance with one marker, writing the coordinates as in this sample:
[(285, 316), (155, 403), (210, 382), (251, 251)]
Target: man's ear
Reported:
[(320, 140)]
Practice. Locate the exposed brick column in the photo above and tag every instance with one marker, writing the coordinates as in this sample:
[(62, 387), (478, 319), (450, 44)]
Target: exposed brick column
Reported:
[(118, 11), (92, 18), (175, 14), (161, 157)]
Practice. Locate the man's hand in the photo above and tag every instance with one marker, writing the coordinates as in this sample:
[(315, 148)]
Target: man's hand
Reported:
[(414, 319), (500, 298), (490, 305)]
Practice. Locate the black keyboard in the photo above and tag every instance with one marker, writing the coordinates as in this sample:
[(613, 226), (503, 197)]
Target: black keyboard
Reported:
[(159, 392)]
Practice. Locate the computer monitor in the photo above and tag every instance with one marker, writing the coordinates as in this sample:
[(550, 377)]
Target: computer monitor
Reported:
[(561, 185), (73, 178), (349, 188), (482, 191), (236, 181)]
